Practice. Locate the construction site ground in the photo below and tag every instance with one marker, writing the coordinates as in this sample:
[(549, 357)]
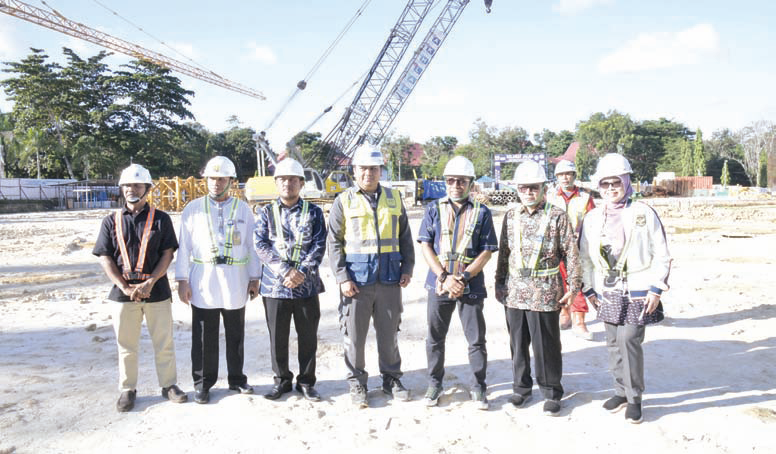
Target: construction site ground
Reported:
[(709, 366)]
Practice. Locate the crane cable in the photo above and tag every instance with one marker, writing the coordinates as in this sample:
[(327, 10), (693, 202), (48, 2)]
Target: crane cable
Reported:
[(302, 84)]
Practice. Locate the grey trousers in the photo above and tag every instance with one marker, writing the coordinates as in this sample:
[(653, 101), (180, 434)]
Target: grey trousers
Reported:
[(626, 360), (382, 303)]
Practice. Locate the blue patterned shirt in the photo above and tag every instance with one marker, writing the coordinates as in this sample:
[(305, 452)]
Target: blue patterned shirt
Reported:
[(312, 230)]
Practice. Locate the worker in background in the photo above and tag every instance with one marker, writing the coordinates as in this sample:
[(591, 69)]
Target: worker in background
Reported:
[(372, 257), (536, 237), (290, 240), (625, 266), (576, 202), (217, 271), (457, 239), (135, 246)]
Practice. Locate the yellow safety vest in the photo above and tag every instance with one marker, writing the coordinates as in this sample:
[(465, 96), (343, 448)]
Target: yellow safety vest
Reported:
[(576, 208), (362, 235)]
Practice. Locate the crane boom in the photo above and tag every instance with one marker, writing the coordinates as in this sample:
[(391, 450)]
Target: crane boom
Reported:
[(57, 22), (382, 70), (413, 71)]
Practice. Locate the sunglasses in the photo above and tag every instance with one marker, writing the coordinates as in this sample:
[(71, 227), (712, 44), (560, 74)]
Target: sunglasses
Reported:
[(457, 181), (529, 187), (616, 184)]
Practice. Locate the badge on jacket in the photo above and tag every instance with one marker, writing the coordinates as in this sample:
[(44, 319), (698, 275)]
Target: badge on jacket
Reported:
[(641, 220)]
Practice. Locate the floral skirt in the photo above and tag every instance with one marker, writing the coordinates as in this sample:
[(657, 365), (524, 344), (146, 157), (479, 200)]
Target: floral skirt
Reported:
[(620, 308)]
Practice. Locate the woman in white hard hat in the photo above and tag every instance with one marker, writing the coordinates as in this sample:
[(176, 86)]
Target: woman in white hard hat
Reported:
[(625, 265)]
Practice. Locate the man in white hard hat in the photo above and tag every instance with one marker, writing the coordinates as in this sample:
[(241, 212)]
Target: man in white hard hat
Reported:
[(217, 271), (457, 239), (290, 240), (577, 202), (626, 264), (536, 237), (372, 257), (136, 245)]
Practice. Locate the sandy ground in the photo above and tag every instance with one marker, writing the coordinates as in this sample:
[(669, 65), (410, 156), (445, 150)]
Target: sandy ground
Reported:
[(711, 385)]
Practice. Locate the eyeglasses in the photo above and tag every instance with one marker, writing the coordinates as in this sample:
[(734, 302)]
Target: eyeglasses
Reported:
[(457, 181), (616, 184), (529, 187)]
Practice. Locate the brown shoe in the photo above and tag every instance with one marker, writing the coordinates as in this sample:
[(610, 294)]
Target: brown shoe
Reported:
[(126, 401), (565, 319), (174, 394)]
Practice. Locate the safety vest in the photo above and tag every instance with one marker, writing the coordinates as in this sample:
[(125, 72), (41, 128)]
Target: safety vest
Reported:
[(226, 257), (530, 268), (449, 255), (280, 242), (576, 208), (372, 250), (137, 274)]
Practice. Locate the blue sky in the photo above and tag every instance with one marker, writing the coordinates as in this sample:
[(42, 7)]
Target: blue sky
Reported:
[(535, 64)]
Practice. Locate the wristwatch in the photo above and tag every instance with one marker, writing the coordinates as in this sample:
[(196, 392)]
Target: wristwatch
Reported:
[(442, 276), (466, 276)]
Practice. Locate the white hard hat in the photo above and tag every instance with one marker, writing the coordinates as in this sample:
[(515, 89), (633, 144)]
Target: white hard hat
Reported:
[(368, 155), (459, 166), (611, 165), (135, 173), (530, 172), (220, 166), (289, 168), (564, 165)]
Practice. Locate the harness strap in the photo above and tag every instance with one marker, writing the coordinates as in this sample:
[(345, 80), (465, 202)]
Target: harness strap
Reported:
[(530, 268), (137, 273), (280, 243)]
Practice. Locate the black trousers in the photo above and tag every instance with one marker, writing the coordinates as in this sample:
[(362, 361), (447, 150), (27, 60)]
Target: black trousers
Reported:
[(205, 324), (440, 313), (306, 313), (542, 330)]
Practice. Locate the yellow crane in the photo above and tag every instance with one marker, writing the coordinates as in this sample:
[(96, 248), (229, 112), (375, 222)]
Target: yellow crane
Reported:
[(57, 22)]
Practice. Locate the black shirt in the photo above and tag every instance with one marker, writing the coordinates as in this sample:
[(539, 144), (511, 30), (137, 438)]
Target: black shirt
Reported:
[(161, 237)]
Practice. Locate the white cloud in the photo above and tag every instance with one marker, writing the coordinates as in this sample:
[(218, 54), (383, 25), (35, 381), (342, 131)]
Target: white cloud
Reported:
[(263, 54), (575, 6), (186, 49), (663, 50), (8, 46)]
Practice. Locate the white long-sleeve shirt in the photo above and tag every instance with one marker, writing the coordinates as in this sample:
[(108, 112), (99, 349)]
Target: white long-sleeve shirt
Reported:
[(214, 286)]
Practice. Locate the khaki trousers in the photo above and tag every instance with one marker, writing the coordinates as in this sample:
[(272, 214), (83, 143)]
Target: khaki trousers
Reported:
[(127, 321)]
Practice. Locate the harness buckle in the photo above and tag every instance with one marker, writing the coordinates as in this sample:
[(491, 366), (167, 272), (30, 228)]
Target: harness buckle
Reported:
[(525, 272), (221, 260)]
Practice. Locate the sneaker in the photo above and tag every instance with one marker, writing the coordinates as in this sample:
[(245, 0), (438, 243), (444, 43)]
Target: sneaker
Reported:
[(519, 400), (431, 399), (126, 401), (633, 414), (393, 387), (551, 407), (358, 396), (174, 394), (480, 398), (615, 404)]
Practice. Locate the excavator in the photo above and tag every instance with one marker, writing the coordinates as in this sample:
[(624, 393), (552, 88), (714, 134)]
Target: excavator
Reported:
[(322, 185)]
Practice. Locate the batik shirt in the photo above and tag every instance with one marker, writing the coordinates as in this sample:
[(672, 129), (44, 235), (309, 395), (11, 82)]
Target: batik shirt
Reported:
[(558, 244), (312, 230)]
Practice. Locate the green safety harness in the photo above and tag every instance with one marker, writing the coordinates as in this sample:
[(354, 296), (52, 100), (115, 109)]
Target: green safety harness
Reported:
[(226, 258), (280, 243), (530, 269)]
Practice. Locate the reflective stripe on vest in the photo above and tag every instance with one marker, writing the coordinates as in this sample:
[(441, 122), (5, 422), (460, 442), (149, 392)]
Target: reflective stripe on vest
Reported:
[(447, 253), (619, 267), (226, 258), (280, 242), (530, 269), (138, 273), (362, 234), (576, 208)]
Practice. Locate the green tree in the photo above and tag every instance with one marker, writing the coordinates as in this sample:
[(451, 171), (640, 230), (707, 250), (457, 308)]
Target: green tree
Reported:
[(725, 179), (552, 143), (698, 156), (687, 159), (651, 149), (397, 152), (762, 176), (601, 134), (435, 150)]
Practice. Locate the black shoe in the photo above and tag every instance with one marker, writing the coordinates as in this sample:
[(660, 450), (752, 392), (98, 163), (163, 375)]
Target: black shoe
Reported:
[(202, 396), (245, 388), (358, 396), (277, 391), (633, 414), (519, 400), (393, 387), (126, 401), (174, 394), (615, 404), (308, 392), (551, 407)]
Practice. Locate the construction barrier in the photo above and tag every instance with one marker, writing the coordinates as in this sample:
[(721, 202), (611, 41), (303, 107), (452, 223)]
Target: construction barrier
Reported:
[(173, 194)]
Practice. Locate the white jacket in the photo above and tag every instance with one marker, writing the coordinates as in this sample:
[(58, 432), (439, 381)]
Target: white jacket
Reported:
[(648, 261)]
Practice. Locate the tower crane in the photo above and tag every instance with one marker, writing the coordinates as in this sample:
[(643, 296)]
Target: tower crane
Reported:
[(57, 22)]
